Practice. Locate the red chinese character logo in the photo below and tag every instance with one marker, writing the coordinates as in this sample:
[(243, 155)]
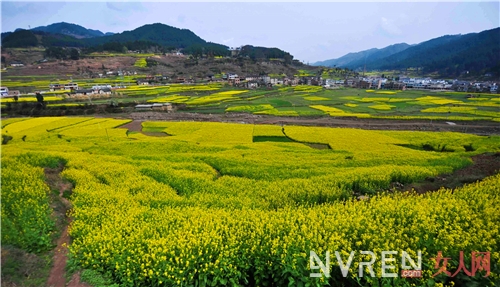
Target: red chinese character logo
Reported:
[(480, 262), (461, 266), (442, 269)]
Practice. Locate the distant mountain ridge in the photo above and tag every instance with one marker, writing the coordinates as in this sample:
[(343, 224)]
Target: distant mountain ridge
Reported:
[(28, 38), (70, 29), (451, 54), (360, 58), (448, 55), (72, 35), (156, 37), (158, 33)]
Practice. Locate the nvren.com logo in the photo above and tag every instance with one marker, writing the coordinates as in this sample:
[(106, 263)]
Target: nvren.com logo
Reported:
[(409, 267)]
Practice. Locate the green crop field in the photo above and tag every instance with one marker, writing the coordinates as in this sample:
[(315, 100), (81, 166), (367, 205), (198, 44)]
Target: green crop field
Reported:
[(218, 204), (305, 100)]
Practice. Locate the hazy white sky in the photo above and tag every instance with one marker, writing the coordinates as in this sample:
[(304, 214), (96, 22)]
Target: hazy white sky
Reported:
[(309, 31)]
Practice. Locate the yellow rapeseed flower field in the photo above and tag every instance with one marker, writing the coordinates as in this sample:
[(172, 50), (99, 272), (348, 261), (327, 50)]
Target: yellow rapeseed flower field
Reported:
[(208, 206), (382, 107)]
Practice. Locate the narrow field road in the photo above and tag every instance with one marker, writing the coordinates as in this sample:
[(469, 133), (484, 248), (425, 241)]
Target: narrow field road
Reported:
[(61, 205), (471, 127)]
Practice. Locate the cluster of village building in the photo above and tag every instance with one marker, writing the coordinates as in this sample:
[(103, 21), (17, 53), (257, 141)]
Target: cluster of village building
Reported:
[(400, 83), (75, 90), (257, 81)]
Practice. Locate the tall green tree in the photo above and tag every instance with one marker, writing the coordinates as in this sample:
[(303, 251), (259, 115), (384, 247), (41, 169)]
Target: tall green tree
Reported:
[(74, 54)]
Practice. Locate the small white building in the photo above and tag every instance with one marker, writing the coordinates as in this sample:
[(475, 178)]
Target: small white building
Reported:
[(99, 87), (155, 106), (266, 79), (494, 89), (56, 87), (71, 86), (231, 76), (275, 81), (4, 91)]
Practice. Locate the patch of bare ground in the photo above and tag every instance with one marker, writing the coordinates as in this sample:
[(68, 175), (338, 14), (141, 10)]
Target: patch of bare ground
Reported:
[(61, 68), (173, 66), (133, 126), (75, 281), (136, 126), (484, 165)]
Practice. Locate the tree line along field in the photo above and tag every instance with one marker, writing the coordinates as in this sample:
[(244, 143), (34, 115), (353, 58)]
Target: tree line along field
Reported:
[(218, 204), (301, 101)]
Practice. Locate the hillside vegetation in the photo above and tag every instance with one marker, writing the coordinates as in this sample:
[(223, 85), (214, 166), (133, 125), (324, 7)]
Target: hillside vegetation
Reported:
[(451, 55)]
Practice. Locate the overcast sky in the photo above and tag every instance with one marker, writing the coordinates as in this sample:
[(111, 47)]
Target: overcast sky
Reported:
[(309, 31)]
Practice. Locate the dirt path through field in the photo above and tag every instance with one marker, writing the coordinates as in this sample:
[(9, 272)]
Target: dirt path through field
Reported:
[(472, 127), (61, 205)]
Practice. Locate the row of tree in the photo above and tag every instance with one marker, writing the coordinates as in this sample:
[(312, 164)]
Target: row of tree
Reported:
[(140, 46), (262, 53), (209, 49), (19, 39), (62, 53)]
